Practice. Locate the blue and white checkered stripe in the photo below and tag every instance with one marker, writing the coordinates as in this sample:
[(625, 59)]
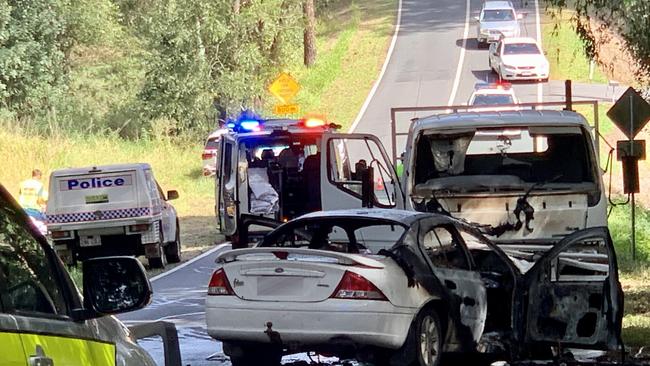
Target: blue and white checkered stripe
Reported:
[(94, 216)]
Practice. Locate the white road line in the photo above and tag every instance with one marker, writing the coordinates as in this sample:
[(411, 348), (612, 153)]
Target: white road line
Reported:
[(362, 111), (164, 274), (461, 59), (538, 30)]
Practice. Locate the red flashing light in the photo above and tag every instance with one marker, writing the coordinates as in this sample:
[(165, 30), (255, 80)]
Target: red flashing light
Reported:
[(314, 122)]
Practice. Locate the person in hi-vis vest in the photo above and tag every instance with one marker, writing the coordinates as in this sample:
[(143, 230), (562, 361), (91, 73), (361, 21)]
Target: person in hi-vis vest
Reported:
[(32, 195)]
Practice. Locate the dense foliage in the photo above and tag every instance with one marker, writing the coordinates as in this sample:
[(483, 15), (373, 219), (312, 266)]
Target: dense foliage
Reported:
[(629, 18), (139, 67)]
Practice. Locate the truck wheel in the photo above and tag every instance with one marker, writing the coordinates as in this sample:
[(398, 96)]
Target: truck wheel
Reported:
[(159, 261), (173, 249)]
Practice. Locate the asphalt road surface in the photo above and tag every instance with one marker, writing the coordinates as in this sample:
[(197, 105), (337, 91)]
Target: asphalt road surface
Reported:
[(435, 61)]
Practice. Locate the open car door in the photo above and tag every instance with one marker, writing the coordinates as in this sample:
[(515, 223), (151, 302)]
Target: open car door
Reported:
[(574, 298), (226, 187), (344, 159)]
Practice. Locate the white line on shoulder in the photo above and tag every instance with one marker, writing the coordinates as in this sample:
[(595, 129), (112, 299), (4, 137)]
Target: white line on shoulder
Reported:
[(203, 255), (365, 105), (461, 59)]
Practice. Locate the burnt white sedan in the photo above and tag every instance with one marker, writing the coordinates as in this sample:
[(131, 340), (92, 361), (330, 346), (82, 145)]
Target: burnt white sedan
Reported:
[(381, 286)]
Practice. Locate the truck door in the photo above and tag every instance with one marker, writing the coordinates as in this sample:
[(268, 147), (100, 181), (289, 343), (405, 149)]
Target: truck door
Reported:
[(227, 195), (343, 158), (573, 293)]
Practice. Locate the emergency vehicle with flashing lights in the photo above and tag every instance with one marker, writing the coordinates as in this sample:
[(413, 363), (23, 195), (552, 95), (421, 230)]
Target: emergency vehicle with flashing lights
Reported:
[(498, 96), (112, 210), (273, 170)]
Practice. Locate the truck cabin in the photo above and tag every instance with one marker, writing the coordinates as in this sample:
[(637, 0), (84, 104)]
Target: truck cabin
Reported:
[(536, 172)]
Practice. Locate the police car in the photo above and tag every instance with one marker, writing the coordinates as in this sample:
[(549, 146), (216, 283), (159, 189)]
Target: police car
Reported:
[(492, 97), (112, 210), (43, 319), (272, 170)]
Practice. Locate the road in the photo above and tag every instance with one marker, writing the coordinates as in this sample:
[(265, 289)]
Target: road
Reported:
[(434, 61)]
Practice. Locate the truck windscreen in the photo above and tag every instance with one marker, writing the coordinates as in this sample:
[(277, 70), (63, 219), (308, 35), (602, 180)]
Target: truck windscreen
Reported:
[(507, 157)]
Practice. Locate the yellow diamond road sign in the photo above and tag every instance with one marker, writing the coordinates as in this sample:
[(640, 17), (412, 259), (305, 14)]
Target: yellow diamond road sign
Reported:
[(284, 87), (281, 109)]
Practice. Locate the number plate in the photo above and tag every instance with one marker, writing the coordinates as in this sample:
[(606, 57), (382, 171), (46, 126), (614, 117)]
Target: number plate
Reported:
[(90, 241)]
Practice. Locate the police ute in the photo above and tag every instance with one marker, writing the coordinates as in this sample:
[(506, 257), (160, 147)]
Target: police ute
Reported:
[(112, 210), (272, 170)]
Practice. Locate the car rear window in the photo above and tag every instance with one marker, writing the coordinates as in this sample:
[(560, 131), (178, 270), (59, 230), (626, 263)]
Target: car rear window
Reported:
[(341, 235), (497, 15), (212, 144), (521, 49), (487, 99)]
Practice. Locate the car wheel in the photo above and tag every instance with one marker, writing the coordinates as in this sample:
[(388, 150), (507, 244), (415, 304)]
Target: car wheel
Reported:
[(173, 249), (429, 339), (259, 355)]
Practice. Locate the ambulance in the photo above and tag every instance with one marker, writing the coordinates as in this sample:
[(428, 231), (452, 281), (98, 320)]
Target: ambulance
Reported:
[(273, 170), (112, 210)]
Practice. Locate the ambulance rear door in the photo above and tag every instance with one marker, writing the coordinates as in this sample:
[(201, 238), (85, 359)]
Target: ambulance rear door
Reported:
[(343, 159)]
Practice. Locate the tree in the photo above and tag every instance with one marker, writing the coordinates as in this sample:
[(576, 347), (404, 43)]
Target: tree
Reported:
[(32, 68), (629, 18), (309, 38)]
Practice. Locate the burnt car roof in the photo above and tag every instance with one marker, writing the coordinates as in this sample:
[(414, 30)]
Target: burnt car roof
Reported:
[(400, 216)]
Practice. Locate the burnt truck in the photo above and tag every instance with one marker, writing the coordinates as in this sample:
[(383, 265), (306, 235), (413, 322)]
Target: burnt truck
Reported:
[(528, 180)]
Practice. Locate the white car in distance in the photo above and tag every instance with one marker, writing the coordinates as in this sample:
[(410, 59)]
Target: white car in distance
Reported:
[(492, 97), (518, 59)]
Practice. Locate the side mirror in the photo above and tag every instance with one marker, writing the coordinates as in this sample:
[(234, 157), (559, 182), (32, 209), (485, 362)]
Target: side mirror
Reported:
[(520, 16), (114, 285), (367, 188), (172, 195)]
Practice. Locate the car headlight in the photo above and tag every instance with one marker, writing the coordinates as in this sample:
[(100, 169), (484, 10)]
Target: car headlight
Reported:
[(509, 66)]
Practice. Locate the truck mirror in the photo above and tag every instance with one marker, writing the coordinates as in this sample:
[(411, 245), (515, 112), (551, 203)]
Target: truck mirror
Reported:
[(172, 195), (367, 193), (114, 285)]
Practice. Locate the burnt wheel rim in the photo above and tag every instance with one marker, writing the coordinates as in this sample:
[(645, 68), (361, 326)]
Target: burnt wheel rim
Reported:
[(429, 341)]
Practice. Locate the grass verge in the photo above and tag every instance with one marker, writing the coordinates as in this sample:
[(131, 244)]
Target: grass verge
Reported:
[(565, 50)]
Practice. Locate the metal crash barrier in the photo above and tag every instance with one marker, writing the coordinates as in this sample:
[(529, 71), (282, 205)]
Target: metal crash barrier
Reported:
[(166, 331)]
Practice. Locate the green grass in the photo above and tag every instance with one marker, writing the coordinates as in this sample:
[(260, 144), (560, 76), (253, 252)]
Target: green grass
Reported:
[(353, 37), (565, 50)]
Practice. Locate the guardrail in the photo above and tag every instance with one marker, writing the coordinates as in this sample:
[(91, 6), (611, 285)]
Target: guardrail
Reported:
[(166, 331)]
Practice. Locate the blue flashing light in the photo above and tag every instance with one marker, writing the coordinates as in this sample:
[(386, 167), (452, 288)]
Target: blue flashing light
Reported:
[(250, 125)]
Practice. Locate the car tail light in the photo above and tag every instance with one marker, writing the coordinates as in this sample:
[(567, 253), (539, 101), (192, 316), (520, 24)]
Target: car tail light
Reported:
[(219, 284), (207, 155), (356, 287)]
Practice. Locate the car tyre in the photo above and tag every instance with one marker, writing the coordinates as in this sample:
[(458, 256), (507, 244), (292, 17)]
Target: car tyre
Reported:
[(159, 261), (173, 249), (259, 355), (429, 339)]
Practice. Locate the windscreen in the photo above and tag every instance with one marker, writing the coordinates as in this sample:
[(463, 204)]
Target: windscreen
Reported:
[(345, 235), (521, 49), (498, 15), (489, 99), (509, 158), (212, 144)]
